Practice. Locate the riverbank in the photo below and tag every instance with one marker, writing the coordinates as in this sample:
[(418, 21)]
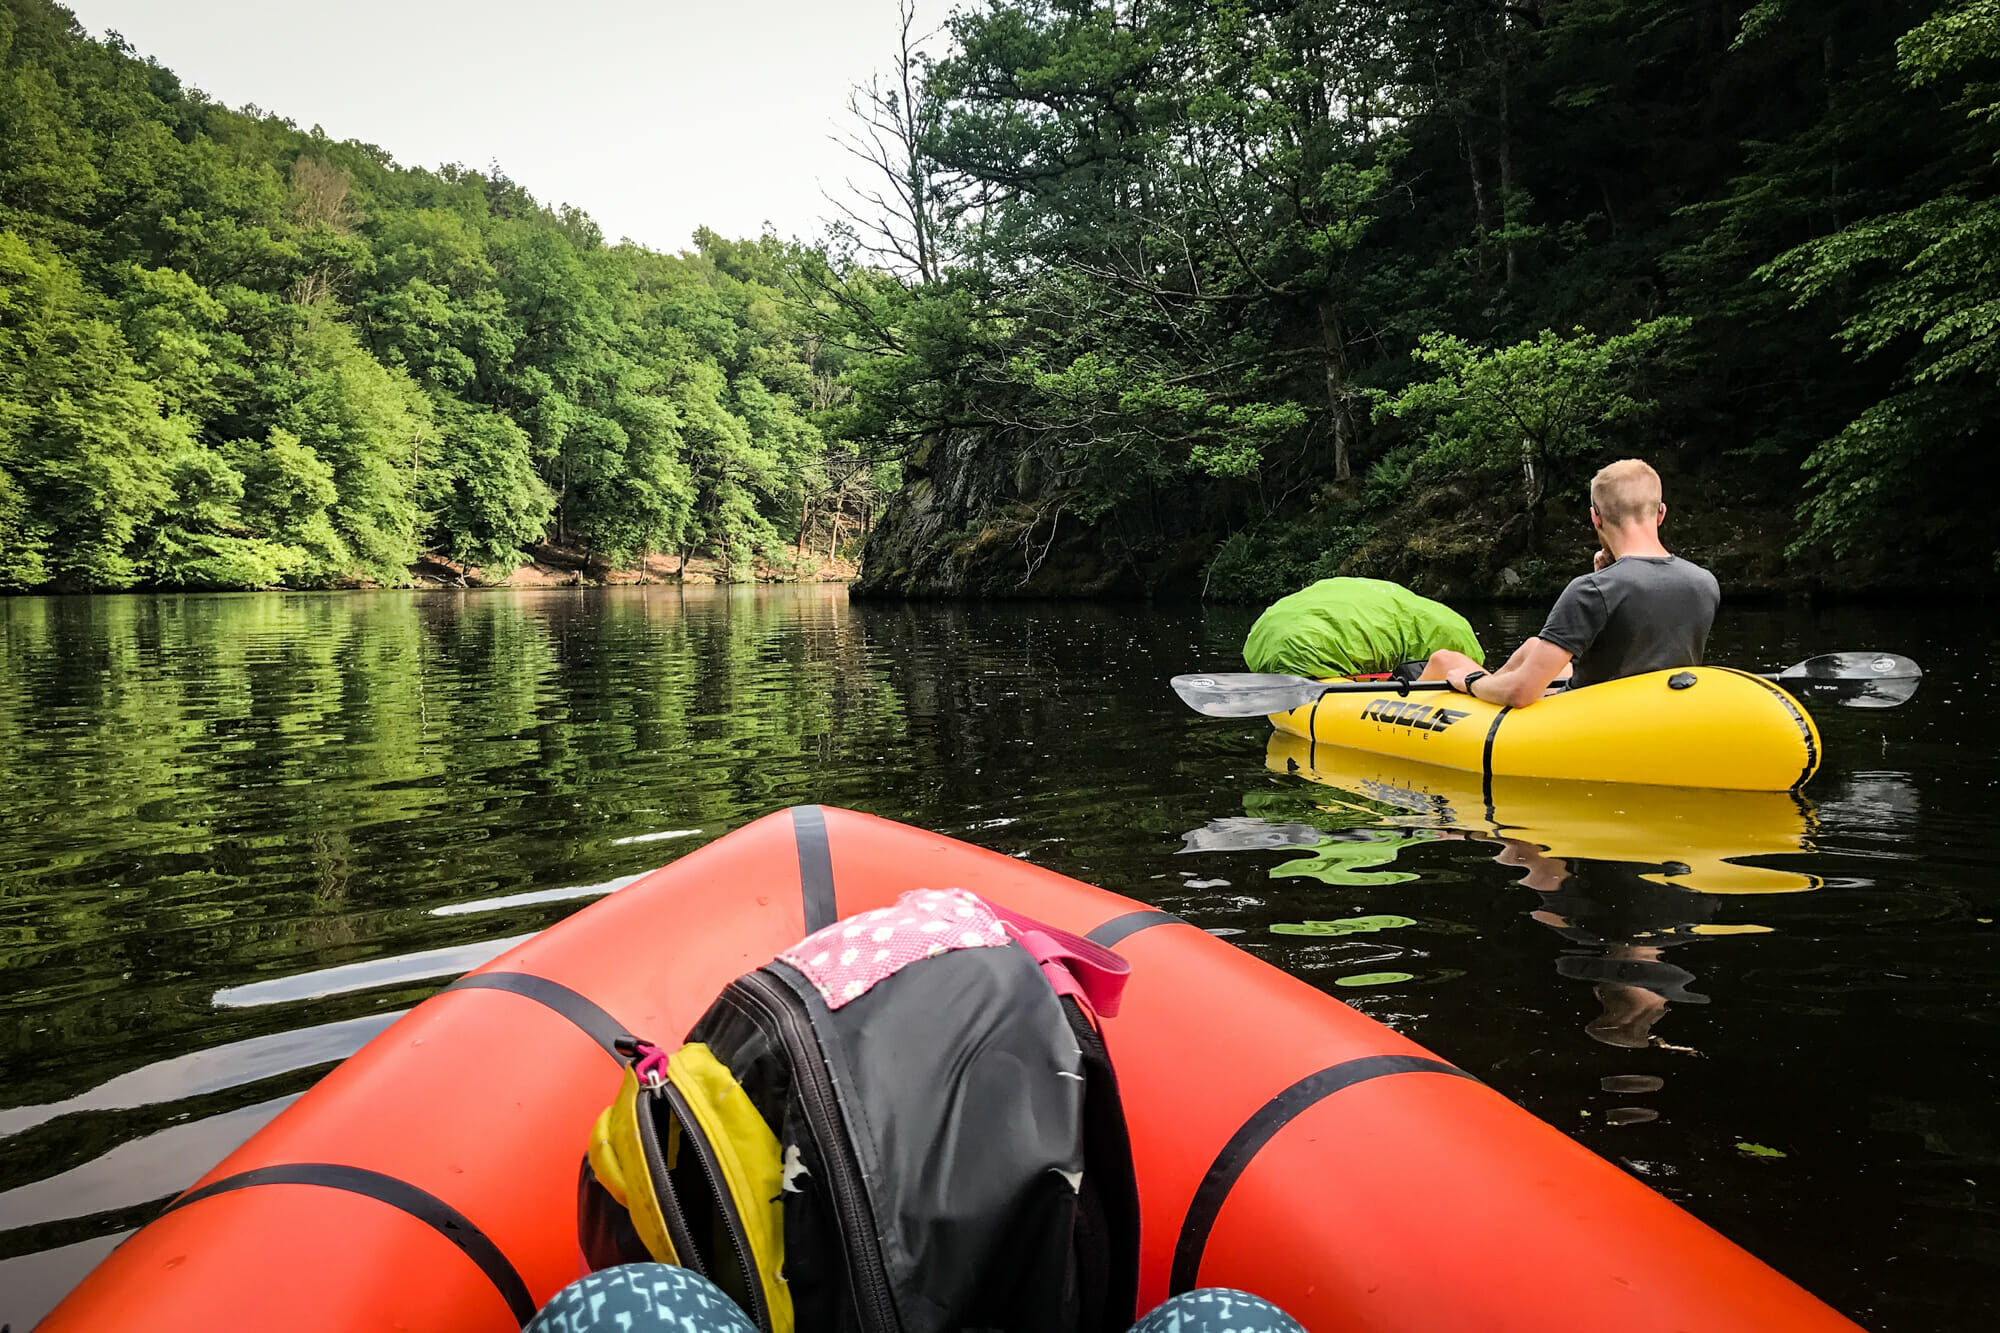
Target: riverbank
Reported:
[(547, 567), (565, 567)]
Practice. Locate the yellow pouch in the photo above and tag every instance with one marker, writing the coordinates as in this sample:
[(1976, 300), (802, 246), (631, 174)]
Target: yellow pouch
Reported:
[(742, 1156), (618, 1159), (701, 1176)]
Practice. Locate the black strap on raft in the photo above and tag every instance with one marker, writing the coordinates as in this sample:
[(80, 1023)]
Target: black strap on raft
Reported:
[(441, 1217), (426, 1207), (596, 1024), (1258, 1130), (1131, 923), (815, 867)]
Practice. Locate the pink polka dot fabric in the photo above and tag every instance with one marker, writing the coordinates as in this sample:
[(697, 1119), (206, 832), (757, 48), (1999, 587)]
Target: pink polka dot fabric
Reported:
[(848, 957)]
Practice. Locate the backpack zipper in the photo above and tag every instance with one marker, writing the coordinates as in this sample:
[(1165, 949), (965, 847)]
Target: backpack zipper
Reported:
[(850, 1198), (732, 1221), (663, 1186)]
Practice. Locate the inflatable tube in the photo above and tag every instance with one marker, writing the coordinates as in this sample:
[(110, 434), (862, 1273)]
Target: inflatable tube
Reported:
[(1284, 1142), (1698, 727), (1697, 837)]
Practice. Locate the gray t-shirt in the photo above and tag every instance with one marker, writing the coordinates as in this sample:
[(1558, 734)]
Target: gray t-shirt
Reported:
[(1640, 613)]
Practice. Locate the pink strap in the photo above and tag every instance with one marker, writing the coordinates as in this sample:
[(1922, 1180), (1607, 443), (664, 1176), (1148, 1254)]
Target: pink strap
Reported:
[(1074, 965)]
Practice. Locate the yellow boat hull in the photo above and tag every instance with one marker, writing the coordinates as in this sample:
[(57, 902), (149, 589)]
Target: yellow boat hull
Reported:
[(1697, 837), (1729, 729)]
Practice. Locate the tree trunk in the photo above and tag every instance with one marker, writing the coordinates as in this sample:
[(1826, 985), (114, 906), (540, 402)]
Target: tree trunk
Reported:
[(1481, 223), (1535, 487), (1334, 351), (1506, 154)]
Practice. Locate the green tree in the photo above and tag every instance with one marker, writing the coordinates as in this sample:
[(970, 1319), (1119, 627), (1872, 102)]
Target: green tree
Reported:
[(239, 351), (1920, 288), (485, 501), (1531, 408), (82, 434), (289, 489), (198, 537), (370, 425)]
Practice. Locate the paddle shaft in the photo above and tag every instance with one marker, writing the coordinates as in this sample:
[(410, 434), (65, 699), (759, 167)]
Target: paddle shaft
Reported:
[(1861, 680), (1401, 687), (1398, 686)]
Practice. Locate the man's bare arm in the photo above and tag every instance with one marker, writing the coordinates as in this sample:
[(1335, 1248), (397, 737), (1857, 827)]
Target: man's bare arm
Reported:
[(1525, 678)]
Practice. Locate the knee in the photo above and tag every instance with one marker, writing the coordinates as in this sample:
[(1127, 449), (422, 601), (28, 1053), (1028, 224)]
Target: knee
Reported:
[(1442, 661), (613, 1299), (1217, 1310)]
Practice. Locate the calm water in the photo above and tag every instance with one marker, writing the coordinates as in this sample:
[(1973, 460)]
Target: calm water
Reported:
[(241, 834)]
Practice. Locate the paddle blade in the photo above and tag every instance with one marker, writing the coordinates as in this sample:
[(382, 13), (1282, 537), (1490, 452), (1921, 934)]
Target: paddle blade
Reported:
[(1247, 833), (1246, 694), (1858, 680)]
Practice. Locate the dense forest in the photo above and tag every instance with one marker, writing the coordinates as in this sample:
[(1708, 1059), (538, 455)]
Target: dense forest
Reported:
[(237, 354), (1131, 296), (1231, 295)]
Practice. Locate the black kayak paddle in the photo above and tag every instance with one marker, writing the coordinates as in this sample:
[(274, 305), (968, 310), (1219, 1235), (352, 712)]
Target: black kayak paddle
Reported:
[(1858, 680)]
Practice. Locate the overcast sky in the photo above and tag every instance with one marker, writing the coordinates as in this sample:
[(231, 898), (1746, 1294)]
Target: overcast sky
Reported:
[(655, 116)]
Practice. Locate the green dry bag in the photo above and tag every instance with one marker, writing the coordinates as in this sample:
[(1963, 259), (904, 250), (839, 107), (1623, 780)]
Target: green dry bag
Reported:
[(1354, 627)]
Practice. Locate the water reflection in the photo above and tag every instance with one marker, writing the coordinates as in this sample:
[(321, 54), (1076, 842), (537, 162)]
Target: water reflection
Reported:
[(245, 833), (1623, 874), (139, 1172), (1625, 920), (324, 804), (1694, 839), (216, 1069), (540, 897), (455, 960)]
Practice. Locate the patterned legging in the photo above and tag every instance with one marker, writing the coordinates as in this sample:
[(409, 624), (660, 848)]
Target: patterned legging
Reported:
[(656, 1298)]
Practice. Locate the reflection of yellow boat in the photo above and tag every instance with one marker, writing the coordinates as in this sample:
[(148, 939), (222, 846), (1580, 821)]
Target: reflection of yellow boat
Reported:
[(1702, 727), (1697, 836)]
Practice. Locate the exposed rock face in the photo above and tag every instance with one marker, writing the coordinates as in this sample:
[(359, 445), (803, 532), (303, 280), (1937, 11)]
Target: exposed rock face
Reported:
[(965, 526), (962, 527)]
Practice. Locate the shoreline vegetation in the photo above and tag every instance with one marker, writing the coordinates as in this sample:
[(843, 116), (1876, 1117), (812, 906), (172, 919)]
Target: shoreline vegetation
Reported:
[(554, 567), (1181, 300), (1224, 299), (238, 354)]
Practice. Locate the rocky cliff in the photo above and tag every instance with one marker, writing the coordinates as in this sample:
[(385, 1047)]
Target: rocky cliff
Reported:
[(964, 526)]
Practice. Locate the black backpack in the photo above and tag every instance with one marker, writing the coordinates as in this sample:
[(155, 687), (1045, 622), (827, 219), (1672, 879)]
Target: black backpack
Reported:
[(907, 1123)]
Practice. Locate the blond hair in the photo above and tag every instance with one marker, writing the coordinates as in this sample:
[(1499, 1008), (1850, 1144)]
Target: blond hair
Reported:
[(1627, 491)]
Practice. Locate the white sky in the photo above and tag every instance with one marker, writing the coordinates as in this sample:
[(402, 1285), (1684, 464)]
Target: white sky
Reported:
[(654, 116)]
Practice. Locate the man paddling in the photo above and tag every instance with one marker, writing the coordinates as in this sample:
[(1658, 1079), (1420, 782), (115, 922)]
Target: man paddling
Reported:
[(1641, 608)]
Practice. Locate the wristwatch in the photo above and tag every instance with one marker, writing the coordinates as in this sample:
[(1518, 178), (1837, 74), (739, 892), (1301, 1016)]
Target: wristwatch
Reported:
[(1471, 676)]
